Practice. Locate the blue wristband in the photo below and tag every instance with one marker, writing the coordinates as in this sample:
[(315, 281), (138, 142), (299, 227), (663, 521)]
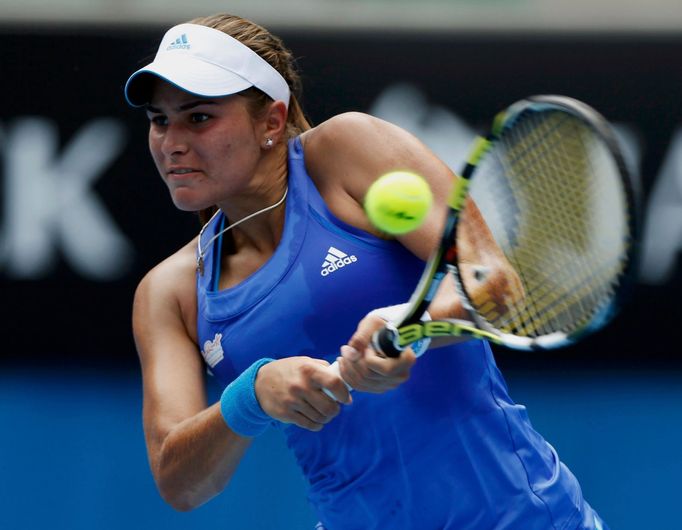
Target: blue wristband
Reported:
[(239, 405)]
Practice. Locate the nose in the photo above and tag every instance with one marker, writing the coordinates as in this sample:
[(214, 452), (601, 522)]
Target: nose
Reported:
[(175, 140)]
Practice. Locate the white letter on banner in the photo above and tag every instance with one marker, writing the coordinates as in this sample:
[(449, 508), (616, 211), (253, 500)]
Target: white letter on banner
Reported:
[(663, 223), (49, 202)]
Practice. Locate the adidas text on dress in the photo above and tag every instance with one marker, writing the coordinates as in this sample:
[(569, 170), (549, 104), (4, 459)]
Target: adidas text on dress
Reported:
[(335, 260)]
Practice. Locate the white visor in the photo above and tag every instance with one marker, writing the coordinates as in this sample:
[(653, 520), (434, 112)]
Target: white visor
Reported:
[(208, 63)]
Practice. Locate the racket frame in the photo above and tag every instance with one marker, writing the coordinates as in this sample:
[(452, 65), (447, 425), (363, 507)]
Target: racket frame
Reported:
[(396, 336)]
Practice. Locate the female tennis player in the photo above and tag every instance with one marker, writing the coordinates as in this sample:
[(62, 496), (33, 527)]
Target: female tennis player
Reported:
[(288, 271)]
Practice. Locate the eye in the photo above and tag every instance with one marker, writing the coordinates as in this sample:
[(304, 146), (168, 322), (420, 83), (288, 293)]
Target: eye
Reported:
[(158, 120), (199, 117)]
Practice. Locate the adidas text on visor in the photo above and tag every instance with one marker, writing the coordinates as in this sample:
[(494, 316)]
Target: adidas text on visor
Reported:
[(206, 62)]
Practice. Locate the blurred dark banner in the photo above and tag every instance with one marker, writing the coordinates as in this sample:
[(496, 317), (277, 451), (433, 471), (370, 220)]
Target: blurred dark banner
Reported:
[(83, 214)]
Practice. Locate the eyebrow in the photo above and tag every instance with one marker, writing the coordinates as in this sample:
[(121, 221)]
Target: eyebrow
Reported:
[(184, 107)]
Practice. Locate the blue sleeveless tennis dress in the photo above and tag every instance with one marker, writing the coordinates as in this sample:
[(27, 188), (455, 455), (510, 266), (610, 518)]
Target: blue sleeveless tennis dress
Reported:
[(448, 449)]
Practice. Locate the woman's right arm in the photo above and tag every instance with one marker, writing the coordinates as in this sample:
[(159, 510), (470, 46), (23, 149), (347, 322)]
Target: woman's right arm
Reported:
[(192, 452)]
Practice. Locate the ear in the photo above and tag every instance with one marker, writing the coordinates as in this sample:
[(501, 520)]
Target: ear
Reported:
[(275, 122)]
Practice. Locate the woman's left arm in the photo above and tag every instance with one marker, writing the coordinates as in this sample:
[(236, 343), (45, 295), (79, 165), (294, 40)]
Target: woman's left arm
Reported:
[(344, 156)]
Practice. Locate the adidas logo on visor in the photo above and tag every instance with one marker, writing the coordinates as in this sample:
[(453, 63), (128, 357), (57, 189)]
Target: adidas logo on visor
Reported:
[(181, 43), (335, 260)]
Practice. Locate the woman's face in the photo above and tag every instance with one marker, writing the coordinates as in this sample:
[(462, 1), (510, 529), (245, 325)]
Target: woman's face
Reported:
[(206, 150)]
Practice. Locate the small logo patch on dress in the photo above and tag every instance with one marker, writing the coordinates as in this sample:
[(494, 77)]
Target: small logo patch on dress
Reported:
[(213, 350)]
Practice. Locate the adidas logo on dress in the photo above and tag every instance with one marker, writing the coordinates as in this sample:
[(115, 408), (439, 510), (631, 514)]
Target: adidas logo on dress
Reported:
[(335, 260), (181, 43)]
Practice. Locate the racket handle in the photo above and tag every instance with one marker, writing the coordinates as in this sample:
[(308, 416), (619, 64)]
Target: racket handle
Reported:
[(334, 368), (384, 341)]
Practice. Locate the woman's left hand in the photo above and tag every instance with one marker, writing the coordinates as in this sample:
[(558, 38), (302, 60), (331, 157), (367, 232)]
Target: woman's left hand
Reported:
[(367, 370)]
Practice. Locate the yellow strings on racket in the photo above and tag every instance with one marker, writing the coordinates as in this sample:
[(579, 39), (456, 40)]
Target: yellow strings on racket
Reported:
[(542, 195)]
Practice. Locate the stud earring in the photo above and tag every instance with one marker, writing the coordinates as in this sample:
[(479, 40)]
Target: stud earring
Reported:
[(269, 143)]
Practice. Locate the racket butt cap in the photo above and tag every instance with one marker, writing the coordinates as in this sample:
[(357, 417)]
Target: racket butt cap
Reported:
[(384, 341)]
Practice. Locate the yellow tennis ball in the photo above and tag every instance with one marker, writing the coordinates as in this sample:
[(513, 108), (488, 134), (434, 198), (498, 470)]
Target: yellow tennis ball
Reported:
[(398, 202)]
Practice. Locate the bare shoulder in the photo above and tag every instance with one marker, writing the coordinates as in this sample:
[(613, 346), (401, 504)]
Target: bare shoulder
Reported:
[(338, 161), (352, 141), (347, 153), (167, 293), (339, 125), (352, 149)]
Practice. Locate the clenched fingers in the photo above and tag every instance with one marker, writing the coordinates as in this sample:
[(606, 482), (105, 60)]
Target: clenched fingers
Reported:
[(290, 390), (371, 372)]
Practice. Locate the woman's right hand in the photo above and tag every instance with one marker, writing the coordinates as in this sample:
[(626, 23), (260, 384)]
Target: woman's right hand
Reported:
[(291, 390)]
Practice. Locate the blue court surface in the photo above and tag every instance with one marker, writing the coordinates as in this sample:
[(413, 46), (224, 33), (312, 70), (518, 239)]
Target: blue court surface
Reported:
[(72, 453)]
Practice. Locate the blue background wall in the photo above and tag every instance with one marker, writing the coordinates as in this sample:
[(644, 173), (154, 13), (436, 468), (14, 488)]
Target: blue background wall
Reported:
[(72, 453)]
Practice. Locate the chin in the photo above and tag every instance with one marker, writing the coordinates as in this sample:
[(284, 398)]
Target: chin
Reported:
[(189, 202)]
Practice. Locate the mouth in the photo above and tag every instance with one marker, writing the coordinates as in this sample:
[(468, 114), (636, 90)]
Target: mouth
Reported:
[(180, 173)]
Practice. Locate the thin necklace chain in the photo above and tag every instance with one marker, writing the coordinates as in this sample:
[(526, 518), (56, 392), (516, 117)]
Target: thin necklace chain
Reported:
[(201, 250)]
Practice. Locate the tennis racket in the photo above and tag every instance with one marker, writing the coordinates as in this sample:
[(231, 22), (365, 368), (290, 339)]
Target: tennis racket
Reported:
[(552, 188)]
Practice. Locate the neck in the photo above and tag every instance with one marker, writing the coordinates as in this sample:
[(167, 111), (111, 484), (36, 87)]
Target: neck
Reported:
[(266, 188), (264, 242), (262, 227)]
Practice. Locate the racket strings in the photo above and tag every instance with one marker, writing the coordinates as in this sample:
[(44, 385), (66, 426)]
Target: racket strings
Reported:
[(544, 195), (525, 159)]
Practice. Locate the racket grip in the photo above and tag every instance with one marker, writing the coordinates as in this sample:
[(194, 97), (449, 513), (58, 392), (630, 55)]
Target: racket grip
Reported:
[(334, 368)]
